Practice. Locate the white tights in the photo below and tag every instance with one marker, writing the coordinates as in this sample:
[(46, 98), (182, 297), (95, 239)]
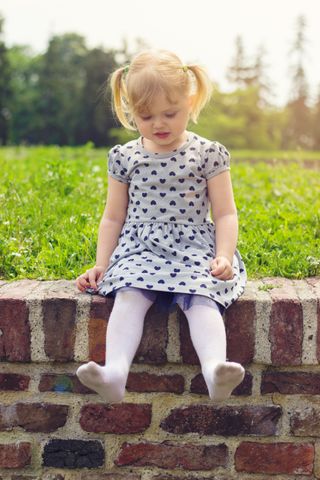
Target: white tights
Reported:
[(124, 332)]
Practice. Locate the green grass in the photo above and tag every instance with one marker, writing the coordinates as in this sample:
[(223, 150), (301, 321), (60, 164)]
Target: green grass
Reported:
[(51, 201)]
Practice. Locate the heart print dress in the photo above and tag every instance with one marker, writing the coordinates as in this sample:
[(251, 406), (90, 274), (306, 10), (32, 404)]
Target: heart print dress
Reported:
[(168, 238)]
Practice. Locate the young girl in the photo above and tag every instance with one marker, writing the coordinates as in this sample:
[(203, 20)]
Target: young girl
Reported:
[(157, 242)]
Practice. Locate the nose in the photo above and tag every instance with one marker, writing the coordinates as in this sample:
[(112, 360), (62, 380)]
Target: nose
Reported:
[(158, 122)]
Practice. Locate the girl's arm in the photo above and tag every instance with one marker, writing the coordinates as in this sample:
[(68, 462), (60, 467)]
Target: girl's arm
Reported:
[(112, 221), (225, 217)]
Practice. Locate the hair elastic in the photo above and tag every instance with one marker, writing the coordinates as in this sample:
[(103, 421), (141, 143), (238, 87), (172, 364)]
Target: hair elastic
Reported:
[(126, 69), (185, 68)]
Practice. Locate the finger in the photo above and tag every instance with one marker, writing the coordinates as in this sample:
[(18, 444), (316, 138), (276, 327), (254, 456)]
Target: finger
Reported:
[(92, 279)]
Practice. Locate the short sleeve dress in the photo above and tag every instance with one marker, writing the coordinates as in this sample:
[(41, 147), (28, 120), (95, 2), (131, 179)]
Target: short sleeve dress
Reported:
[(168, 238)]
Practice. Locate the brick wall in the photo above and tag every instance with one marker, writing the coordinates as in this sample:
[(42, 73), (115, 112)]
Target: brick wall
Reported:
[(52, 428)]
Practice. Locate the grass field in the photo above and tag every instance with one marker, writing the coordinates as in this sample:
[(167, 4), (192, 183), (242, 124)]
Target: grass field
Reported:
[(51, 201)]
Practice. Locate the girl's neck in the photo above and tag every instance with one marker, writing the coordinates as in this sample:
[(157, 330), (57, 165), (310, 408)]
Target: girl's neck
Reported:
[(154, 148)]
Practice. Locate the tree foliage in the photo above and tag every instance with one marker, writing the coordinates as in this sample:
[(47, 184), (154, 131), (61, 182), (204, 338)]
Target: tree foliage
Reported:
[(62, 97)]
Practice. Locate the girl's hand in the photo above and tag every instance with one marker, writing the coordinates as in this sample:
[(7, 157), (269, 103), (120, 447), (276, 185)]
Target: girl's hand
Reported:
[(90, 278), (221, 268)]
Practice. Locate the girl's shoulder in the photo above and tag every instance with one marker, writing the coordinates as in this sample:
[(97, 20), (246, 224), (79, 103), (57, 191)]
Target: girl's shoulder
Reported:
[(206, 146), (124, 149)]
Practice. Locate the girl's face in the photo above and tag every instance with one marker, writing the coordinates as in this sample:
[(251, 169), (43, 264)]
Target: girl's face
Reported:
[(163, 126)]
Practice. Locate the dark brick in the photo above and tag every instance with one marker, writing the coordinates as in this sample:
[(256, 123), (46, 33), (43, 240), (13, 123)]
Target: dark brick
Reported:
[(33, 417), (173, 455), (198, 385), (275, 458), (73, 454), (14, 382), (305, 422), (240, 321), (15, 455), (15, 330), (291, 383), (121, 419), (59, 315), (187, 351), (62, 383), (148, 382), (286, 332), (152, 349), (227, 421)]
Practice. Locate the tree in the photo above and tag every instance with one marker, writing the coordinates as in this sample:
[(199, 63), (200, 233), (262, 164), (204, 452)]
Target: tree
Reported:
[(239, 72), (96, 102), (5, 89), (61, 83), (297, 132)]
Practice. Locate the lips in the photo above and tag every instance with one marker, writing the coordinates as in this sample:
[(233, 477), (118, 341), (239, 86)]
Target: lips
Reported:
[(162, 134)]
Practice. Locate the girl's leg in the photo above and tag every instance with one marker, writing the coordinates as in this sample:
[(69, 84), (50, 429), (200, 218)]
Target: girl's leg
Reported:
[(209, 339), (124, 332)]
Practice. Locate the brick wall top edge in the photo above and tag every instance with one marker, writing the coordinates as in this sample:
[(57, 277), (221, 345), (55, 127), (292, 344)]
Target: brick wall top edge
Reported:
[(255, 289)]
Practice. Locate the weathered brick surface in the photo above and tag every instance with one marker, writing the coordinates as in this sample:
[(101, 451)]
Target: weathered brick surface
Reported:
[(109, 476), (291, 383), (192, 428), (187, 351), (99, 315), (62, 383), (148, 382), (305, 422), (173, 455), (15, 330), (240, 318), (14, 382), (227, 421), (275, 458), (152, 349), (59, 328), (15, 455), (286, 327), (198, 385), (33, 417), (121, 419), (73, 454)]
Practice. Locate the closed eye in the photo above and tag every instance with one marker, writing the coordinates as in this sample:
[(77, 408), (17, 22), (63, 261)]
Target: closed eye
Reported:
[(171, 115)]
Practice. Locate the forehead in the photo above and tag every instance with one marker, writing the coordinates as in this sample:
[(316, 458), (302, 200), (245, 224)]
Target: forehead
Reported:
[(161, 103)]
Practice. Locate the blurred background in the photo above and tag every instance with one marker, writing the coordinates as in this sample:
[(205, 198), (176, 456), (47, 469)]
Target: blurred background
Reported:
[(55, 59)]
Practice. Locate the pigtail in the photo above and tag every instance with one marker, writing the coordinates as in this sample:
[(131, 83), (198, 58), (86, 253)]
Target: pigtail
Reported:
[(120, 104), (203, 91)]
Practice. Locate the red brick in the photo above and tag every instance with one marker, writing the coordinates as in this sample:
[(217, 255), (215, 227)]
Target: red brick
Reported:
[(275, 458), (124, 418), (15, 455), (286, 331), (302, 383), (240, 321), (100, 310), (148, 382), (170, 477), (59, 328), (14, 381), (226, 421), (305, 422), (33, 417), (51, 382), (198, 385), (15, 330), (173, 455)]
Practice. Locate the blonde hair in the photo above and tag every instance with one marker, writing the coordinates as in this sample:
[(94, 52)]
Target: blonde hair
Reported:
[(134, 86)]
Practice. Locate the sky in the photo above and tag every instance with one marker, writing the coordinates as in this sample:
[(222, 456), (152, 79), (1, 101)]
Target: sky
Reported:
[(202, 31)]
